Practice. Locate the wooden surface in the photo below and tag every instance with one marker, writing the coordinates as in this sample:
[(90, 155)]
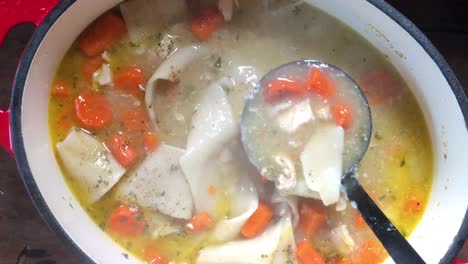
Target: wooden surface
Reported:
[(24, 238)]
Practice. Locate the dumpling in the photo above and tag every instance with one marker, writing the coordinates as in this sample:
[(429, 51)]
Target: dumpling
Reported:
[(213, 128), (275, 245), (243, 198), (166, 71), (159, 183), (322, 160), (90, 163), (286, 249)]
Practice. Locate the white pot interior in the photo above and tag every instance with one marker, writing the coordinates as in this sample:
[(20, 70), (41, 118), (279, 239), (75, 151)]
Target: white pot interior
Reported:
[(449, 135)]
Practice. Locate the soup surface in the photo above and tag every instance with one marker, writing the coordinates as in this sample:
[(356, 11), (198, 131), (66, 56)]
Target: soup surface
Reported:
[(144, 118)]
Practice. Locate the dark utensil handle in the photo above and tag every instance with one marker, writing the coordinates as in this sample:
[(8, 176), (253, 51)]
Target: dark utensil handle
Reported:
[(393, 241)]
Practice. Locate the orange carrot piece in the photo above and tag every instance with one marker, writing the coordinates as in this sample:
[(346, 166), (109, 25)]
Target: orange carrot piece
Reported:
[(125, 220), (312, 217), (135, 119), (306, 254), (200, 222), (258, 221), (89, 66), (369, 252), (101, 35), (61, 89), (281, 89), (318, 82), (413, 206), (340, 261), (122, 151), (152, 256), (130, 80), (342, 115), (206, 23), (359, 222), (93, 110), (212, 190), (150, 141)]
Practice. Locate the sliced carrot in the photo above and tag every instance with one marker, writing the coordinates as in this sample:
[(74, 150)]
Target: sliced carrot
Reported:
[(306, 254), (320, 83), (150, 141), (89, 66), (93, 110), (200, 222), (379, 87), (102, 34), (342, 115), (212, 190), (122, 151), (369, 252), (61, 89), (413, 206), (283, 89), (135, 119), (258, 221), (206, 23), (152, 256), (312, 217), (125, 220), (340, 261), (130, 80), (359, 222)]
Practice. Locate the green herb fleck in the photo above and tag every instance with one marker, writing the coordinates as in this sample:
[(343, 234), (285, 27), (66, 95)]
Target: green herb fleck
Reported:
[(102, 226), (133, 44), (402, 162), (129, 245), (377, 136)]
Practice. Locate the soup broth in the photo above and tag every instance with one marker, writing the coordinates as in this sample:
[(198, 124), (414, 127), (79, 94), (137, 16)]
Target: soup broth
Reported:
[(155, 107)]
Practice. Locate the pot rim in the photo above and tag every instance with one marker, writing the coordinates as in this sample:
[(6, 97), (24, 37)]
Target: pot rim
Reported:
[(42, 30)]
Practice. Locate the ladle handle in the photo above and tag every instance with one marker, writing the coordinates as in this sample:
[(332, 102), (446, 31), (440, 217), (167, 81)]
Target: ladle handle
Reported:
[(393, 241)]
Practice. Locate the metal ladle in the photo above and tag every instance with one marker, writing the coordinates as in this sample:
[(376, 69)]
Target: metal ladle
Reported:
[(393, 241)]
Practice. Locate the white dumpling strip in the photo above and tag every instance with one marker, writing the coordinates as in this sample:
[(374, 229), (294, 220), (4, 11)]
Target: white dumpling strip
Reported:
[(90, 163), (243, 205), (322, 162), (263, 249), (301, 189), (159, 183), (213, 128), (148, 17), (166, 71), (286, 250)]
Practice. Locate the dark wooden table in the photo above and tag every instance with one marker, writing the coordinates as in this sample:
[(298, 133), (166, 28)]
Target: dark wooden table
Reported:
[(24, 238)]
